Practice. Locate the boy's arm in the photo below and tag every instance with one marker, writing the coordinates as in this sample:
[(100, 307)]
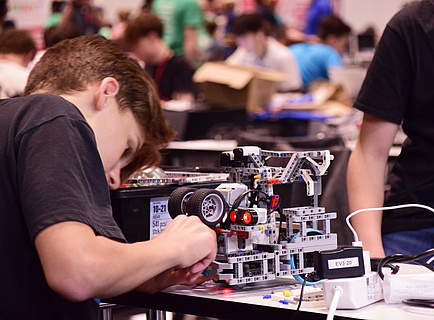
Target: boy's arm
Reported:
[(365, 179), (190, 45), (80, 265)]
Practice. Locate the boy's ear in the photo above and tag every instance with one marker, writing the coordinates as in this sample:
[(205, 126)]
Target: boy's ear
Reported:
[(108, 88)]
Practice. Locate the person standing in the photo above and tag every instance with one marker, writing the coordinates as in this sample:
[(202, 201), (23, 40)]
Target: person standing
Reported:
[(397, 91), (182, 20)]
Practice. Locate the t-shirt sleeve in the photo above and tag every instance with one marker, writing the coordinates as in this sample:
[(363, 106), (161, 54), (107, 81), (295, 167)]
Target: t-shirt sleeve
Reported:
[(61, 178), (192, 14), (334, 59), (387, 87)]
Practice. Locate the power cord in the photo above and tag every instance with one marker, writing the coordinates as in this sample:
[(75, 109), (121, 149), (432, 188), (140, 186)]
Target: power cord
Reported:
[(403, 258), (427, 303), (337, 293), (311, 276), (356, 237)]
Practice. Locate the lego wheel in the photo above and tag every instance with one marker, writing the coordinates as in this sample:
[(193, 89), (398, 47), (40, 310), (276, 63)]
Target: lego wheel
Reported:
[(209, 205), (177, 203)]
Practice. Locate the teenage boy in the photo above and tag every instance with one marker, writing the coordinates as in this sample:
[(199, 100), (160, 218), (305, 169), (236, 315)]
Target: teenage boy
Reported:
[(17, 49), (254, 47), (89, 118), (316, 59), (172, 74)]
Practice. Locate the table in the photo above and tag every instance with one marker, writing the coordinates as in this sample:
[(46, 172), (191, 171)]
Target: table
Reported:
[(215, 300)]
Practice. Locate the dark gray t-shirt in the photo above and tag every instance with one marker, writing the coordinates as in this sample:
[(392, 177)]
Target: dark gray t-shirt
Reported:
[(50, 172)]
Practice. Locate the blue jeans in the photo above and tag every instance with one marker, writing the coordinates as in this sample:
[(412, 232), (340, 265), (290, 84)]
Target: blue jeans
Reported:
[(409, 242)]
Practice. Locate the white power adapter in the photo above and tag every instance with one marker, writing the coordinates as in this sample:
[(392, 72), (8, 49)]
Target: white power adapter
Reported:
[(411, 282), (355, 292)]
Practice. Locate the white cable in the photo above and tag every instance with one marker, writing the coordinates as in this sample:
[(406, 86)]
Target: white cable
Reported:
[(430, 260), (356, 237), (338, 291)]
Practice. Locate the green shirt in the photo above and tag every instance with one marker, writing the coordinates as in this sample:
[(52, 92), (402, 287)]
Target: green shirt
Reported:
[(52, 20), (176, 16)]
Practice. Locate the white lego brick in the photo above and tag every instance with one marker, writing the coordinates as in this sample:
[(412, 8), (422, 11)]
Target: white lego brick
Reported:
[(255, 257), (245, 280)]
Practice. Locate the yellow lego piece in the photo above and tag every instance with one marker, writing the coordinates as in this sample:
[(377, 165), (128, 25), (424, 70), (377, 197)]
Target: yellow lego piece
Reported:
[(286, 293)]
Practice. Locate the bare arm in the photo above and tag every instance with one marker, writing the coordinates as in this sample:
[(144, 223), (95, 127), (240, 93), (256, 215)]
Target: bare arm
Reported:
[(66, 15), (365, 179), (183, 96), (190, 45), (79, 265)]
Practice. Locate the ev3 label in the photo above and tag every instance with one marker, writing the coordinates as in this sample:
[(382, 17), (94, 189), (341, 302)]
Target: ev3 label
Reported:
[(343, 263)]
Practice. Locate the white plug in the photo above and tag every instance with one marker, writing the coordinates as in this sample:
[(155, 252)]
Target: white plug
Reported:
[(357, 292), (337, 292)]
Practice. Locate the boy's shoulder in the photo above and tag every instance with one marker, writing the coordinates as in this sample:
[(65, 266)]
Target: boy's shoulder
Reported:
[(34, 110), (42, 103)]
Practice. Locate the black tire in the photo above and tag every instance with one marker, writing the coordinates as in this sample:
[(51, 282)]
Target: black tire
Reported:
[(209, 205), (177, 203)]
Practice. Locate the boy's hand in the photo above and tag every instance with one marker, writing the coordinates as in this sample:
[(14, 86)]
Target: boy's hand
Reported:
[(170, 278), (194, 242)]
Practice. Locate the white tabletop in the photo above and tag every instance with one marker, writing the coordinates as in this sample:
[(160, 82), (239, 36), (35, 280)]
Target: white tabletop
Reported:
[(253, 294)]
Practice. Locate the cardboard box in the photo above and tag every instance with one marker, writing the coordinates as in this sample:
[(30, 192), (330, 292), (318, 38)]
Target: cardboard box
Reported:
[(237, 86)]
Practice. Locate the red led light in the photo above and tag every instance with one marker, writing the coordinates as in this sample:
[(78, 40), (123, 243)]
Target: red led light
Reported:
[(233, 216), (247, 217)]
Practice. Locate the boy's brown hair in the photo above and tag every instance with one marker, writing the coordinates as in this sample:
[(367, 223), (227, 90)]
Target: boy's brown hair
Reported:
[(17, 42), (74, 64), (332, 25), (246, 23), (140, 27)]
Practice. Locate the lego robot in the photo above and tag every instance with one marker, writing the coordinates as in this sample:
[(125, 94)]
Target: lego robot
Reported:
[(257, 239)]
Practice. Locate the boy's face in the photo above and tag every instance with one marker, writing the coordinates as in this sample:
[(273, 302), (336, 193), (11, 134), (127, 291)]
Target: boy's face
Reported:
[(118, 136), (247, 41), (342, 44), (146, 48), (339, 43), (143, 49)]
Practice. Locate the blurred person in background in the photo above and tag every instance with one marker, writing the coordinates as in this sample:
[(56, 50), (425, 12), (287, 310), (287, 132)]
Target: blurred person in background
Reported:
[(255, 47), (215, 50), (4, 23), (17, 49), (55, 15), (317, 10), (266, 9), (54, 35), (315, 59), (84, 15), (172, 74), (117, 31), (182, 20)]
